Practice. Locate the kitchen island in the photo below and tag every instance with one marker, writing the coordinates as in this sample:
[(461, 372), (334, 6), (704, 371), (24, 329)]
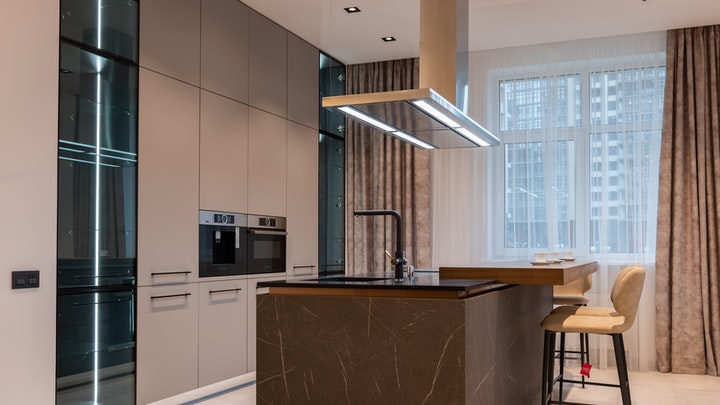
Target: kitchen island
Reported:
[(426, 340)]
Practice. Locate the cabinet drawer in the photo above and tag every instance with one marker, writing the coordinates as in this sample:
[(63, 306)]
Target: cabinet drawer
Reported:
[(222, 330), (167, 341)]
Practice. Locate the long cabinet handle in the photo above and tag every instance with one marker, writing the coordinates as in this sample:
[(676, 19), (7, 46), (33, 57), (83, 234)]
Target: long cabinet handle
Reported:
[(157, 297), (260, 232), (225, 291), (306, 266), (170, 273), (105, 276), (84, 304)]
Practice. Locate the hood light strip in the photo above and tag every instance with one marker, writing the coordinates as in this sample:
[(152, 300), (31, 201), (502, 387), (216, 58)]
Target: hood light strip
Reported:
[(432, 111), (385, 127)]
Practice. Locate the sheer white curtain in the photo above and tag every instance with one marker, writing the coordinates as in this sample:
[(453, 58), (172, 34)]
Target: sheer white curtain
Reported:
[(577, 168)]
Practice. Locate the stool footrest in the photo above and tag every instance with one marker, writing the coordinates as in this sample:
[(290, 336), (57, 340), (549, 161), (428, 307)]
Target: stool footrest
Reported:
[(549, 377), (570, 351), (557, 356), (587, 382)]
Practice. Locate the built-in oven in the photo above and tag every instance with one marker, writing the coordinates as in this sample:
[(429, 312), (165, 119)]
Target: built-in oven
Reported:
[(223, 244), (266, 241)]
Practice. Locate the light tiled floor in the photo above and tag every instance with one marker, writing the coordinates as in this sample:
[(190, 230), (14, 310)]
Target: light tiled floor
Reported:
[(651, 388)]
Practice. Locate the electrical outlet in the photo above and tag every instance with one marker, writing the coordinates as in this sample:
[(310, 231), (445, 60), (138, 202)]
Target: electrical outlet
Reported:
[(25, 279)]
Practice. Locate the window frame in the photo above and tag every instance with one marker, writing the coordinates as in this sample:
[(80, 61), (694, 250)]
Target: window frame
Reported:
[(580, 135)]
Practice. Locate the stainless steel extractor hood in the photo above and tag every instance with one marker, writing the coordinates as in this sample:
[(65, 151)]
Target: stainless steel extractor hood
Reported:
[(427, 117)]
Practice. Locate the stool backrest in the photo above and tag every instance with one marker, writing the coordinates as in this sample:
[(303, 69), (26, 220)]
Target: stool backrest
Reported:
[(626, 292), (576, 288)]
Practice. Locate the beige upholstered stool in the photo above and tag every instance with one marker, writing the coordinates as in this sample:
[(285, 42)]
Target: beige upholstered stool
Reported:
[(574, 294), (625, 297)]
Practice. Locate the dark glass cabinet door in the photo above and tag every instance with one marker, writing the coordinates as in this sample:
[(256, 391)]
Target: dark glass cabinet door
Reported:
[(331, 193), (107, 25), (332, 83), (97, 167), (97, 202), (332, 205), (96, 348)]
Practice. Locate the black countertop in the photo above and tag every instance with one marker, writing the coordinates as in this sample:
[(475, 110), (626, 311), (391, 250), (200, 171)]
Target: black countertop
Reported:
[(422, 281)]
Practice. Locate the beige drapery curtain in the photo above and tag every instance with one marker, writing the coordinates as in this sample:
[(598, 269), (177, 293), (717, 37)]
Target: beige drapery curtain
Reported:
[(383, 172), (688, 242)]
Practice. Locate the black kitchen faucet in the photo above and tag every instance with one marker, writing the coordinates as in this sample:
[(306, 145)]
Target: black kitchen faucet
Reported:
[(399, 260)]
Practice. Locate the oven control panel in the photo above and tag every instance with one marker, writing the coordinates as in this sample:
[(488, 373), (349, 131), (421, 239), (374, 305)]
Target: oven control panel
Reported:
[(266, 222), (223, 218)]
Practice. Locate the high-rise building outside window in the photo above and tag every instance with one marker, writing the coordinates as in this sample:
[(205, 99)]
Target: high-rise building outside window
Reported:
[(574, 175)]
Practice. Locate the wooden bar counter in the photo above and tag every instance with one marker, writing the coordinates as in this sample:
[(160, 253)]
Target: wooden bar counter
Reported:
[(522, 272)]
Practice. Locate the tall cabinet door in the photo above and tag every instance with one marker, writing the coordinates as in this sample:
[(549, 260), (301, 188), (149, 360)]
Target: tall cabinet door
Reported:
[(302, 197), (303, 82), (168, 167), (222, 330), (223, 153), (167, 341), (267, 175), (224, 44), (267, 65), (170, 38)]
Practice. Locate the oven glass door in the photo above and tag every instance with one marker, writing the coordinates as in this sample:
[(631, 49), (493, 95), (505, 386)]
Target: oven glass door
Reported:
[(266, 251), (222, 250)]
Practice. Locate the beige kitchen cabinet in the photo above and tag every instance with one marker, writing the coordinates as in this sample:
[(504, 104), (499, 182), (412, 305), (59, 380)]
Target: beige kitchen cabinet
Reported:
[(267, 52), (168, 167), (303, 82), (170, 38), (267, 165), (253, 291), (167, 341), (224, 48), (302, 200), (223, 153), (222, 330)]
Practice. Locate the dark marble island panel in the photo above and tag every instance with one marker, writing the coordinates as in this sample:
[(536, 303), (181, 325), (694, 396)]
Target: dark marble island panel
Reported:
[(479, 347)]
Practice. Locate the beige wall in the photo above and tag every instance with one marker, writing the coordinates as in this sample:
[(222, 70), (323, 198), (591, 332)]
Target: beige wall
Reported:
[(28, 139)]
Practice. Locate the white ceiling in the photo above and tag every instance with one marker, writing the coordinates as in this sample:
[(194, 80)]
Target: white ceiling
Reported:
[(355, 38)]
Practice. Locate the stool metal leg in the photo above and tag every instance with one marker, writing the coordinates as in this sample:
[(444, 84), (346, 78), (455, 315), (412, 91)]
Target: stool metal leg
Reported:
[(562, 363), (621, 367), (587, 347), (583, 354)]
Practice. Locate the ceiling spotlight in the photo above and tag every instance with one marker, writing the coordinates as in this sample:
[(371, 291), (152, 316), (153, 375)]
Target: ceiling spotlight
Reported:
[(388, 39), (351, 10)]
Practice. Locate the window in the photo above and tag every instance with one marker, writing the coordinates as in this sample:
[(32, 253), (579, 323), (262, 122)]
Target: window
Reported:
[(537, 191), (603, 125), (527, 103)]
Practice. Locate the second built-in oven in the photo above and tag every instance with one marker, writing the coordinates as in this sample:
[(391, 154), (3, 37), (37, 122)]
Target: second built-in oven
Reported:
[(266, 242)]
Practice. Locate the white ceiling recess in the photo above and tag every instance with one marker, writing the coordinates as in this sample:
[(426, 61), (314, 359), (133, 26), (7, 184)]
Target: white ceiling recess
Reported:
[(355, 38)]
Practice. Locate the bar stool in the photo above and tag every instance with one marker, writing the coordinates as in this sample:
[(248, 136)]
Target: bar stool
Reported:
[(573, 294), (625, 296)]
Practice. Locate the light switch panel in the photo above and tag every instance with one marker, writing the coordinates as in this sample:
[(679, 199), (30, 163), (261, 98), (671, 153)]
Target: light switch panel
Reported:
[(25, 279)]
